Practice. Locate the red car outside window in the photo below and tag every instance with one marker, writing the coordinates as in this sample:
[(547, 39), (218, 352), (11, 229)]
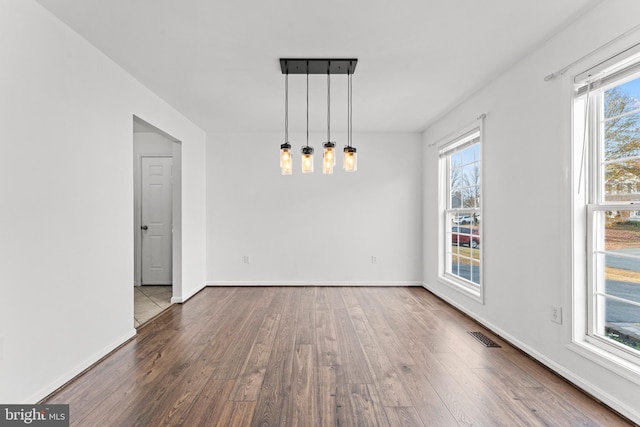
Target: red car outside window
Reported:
[(465, 236)]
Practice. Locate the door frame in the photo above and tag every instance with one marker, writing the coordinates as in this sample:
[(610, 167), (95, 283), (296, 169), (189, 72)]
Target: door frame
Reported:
[(176, 200)]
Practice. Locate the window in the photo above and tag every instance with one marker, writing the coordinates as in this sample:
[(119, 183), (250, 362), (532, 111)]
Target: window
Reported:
[(607, 107), (460, 189)]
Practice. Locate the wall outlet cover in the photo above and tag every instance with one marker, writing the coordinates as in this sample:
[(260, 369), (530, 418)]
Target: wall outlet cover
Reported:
[(556, 314)]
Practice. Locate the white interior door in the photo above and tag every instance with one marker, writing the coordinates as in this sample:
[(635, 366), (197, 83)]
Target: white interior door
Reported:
[(156, 221)]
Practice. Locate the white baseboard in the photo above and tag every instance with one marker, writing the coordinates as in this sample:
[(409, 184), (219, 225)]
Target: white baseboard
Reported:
[(65, 378), (626, 410), (319, 283), (183, 299)]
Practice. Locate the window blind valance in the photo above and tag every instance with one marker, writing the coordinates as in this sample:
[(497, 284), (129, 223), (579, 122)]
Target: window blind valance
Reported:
[(610, 71), (460, 143)]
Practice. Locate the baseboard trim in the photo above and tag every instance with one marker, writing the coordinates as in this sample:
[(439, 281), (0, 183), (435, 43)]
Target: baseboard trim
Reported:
[(88, 362), (588, 387), (183, 299), (305, 283)]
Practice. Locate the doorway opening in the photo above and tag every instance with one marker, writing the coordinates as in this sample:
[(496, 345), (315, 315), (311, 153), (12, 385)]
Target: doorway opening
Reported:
[(157, 227)]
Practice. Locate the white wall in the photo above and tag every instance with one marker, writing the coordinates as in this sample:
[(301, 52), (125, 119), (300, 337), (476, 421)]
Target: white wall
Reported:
[(313, 229), (66, 192), (527, 209)]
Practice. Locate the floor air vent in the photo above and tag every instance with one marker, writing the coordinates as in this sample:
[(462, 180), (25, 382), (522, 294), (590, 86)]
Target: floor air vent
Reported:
[(485, 340)]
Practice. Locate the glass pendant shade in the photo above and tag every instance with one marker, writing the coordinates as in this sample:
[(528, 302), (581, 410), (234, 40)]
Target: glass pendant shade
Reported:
[(286, 160), (307, 159), (328, 158), (350, 163)]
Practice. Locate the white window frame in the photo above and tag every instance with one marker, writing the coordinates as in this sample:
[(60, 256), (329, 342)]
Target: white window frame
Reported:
[(588, 203), (460, 140)]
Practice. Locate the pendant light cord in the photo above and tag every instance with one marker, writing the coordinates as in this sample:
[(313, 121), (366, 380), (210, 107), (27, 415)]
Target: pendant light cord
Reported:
[(348, 105), (329, 102), (349, 108), (286, 107), (307, 104)]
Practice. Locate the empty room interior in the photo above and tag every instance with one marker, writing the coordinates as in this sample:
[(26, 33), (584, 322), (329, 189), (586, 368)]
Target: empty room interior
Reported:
[(321, 213)]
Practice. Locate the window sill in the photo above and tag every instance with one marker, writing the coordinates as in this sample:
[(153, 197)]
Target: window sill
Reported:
[(615, 364), (473, 292)]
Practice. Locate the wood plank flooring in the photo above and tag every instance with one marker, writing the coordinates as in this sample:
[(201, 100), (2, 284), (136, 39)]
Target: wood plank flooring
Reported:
[(314, 356)]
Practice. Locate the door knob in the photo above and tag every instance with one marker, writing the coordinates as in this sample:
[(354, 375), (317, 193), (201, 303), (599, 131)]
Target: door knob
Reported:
[(144, 227)]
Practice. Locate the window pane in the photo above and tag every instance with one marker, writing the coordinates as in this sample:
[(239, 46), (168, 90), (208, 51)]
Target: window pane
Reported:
[(621, 264), (454, 268), (456, 182), (622, 277), (622, 181), (456, 199), (620, 322), (466, 252), (622, 231), (471, 188), (471, 174), (471, 197), (622, 99), (466, 236), (455, 236), (622, 137), (468, 155), (475, 272), (465, 219), (465, 268), (456, 163)]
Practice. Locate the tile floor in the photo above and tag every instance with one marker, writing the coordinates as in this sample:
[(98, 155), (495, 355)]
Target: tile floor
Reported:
[(149, 301)]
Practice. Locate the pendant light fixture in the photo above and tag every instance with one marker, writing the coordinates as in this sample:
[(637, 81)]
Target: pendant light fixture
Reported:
[(318, 66), (350, 162), (286, 160), (329, 155), (307, 152)]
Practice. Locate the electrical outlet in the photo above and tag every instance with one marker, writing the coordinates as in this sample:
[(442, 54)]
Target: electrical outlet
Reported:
[(247, 259), (556, 314), (374, 259)]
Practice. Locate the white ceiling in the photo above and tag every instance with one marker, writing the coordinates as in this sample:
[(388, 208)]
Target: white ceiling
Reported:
[(217, 61)]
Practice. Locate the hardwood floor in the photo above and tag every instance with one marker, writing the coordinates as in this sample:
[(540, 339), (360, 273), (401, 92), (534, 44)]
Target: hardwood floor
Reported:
[(321, 357)]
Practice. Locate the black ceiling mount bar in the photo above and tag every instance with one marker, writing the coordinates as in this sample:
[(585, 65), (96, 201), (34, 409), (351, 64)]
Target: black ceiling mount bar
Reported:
[(318, 65)]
